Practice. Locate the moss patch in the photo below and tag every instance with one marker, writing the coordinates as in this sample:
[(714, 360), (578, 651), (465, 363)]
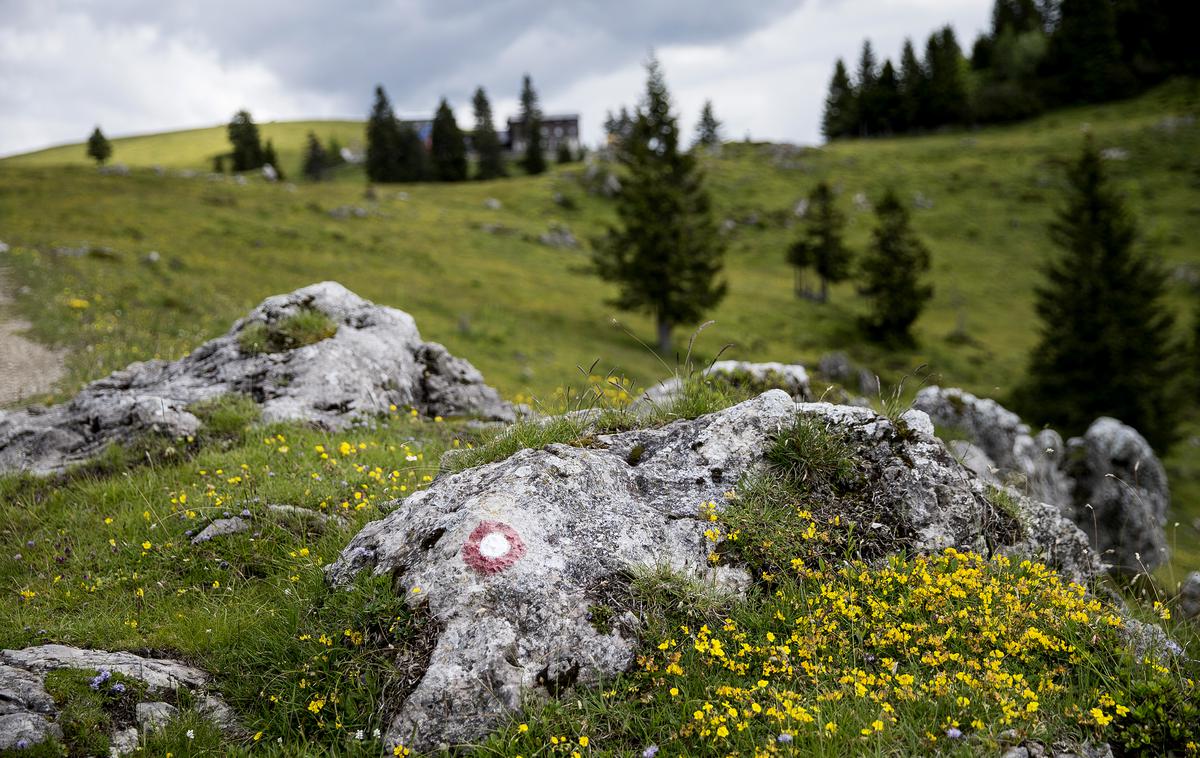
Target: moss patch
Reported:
[(305, 327)]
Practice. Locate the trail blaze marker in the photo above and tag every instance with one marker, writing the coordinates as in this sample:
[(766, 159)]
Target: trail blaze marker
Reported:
[(492, 547)]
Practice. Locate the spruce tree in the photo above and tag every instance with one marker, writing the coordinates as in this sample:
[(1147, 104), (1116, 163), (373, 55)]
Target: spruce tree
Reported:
[(1105, 347), (913, 87), (708, 129), (247, 147), (866, 84), (412, 159), (316, 160), (892, 273), (383, 163), (946, 93), (98, 147), (333, 153), (487, 142), (269, 157), (534, 161), (666, 254), (889, 102), (448, 153), (821, 245), (563, 153), (840, 115), (1085, 54)]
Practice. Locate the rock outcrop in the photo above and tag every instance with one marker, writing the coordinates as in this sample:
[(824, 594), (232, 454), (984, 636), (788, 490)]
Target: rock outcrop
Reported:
[(1109, 481), (508, 557), (374, 358), (759, 377), (28, 712)]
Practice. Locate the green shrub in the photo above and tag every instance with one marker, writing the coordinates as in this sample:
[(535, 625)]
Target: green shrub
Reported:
[(305, 327)]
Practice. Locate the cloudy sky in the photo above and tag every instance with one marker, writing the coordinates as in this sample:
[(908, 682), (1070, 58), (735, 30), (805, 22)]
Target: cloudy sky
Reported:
[(136, 66)]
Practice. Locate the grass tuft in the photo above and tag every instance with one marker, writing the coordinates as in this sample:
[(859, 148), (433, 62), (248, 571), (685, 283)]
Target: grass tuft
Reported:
[(305, 327)]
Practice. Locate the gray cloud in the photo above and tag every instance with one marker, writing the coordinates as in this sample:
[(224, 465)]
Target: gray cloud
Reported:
[(139, 65)]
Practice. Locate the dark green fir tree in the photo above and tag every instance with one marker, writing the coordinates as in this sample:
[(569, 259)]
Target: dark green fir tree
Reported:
[(247, 152), (821, 246), (665, 254), (447, 152), (1106, 334), (892, 275), (383, 162), (840, 117), (316, 160), (534, 160), (99, 148), (487, 143), (708, 129)]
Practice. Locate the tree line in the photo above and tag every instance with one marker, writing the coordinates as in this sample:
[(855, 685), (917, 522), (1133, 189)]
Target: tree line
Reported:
[(396, 153), (1107, 343), (1037, 55)]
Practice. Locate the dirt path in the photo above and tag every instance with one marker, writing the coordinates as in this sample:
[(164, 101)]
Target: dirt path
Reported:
[(26, 368)]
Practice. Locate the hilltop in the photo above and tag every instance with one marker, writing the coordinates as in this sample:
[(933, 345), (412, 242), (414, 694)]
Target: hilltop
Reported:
[(479, 280)]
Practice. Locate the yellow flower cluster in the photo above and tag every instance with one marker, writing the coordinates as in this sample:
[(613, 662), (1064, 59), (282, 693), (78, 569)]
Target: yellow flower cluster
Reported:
[(981, 643)]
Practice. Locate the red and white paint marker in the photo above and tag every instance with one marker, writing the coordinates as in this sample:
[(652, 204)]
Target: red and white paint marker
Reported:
[(493, 547)]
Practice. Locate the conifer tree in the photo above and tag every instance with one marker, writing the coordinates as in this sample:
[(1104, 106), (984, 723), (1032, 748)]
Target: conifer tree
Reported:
[(889, 102), (333, 153), (563, 154), (412, 159), (98, 147), (708, 129), (487, 142), (1085, 53), (866, 85), (618, 127), (247, 147), (820, 245), (946, 94), (316, 160), (665, 255), (913, 86), (534, 161), (1105, 347), (840, 115), (448, 152), (270, 158), (384, 146), (892, 273)]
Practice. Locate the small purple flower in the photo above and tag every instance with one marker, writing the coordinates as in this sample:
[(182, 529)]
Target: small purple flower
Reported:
[(954, 733), (246, 513), (118, 688), (103, 676), (650, 752), (784, 738), (22, 744), (188, 533)]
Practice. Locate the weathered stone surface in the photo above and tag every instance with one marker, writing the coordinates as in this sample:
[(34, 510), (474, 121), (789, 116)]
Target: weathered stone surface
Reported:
[(151, 716), (789, 377), (222, 527), (1189, 596), (1109, 481), (375, 359), (1121, 495), (27, 712), (507, 556)]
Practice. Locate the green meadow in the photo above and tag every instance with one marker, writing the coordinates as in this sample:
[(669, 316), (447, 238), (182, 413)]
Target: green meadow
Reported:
[(528, 314)]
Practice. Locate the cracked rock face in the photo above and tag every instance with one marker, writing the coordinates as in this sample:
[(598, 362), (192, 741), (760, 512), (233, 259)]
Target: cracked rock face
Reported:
[(1109, 481), (507, 556), (28, 713), (375, 359)]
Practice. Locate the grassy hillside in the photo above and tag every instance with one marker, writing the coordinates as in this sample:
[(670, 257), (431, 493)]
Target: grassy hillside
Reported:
[(525, 313), (195, 148)]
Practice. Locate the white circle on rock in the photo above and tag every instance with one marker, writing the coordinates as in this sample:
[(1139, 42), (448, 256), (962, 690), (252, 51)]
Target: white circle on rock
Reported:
[(495, 545)]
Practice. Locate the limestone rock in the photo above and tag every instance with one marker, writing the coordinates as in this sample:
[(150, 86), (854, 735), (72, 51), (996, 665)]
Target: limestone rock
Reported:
[(222, 527), (28, 713), (1121, 495), (376, 358), (1189, 596), (791, 378), (506, 557), (1109, 481)]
